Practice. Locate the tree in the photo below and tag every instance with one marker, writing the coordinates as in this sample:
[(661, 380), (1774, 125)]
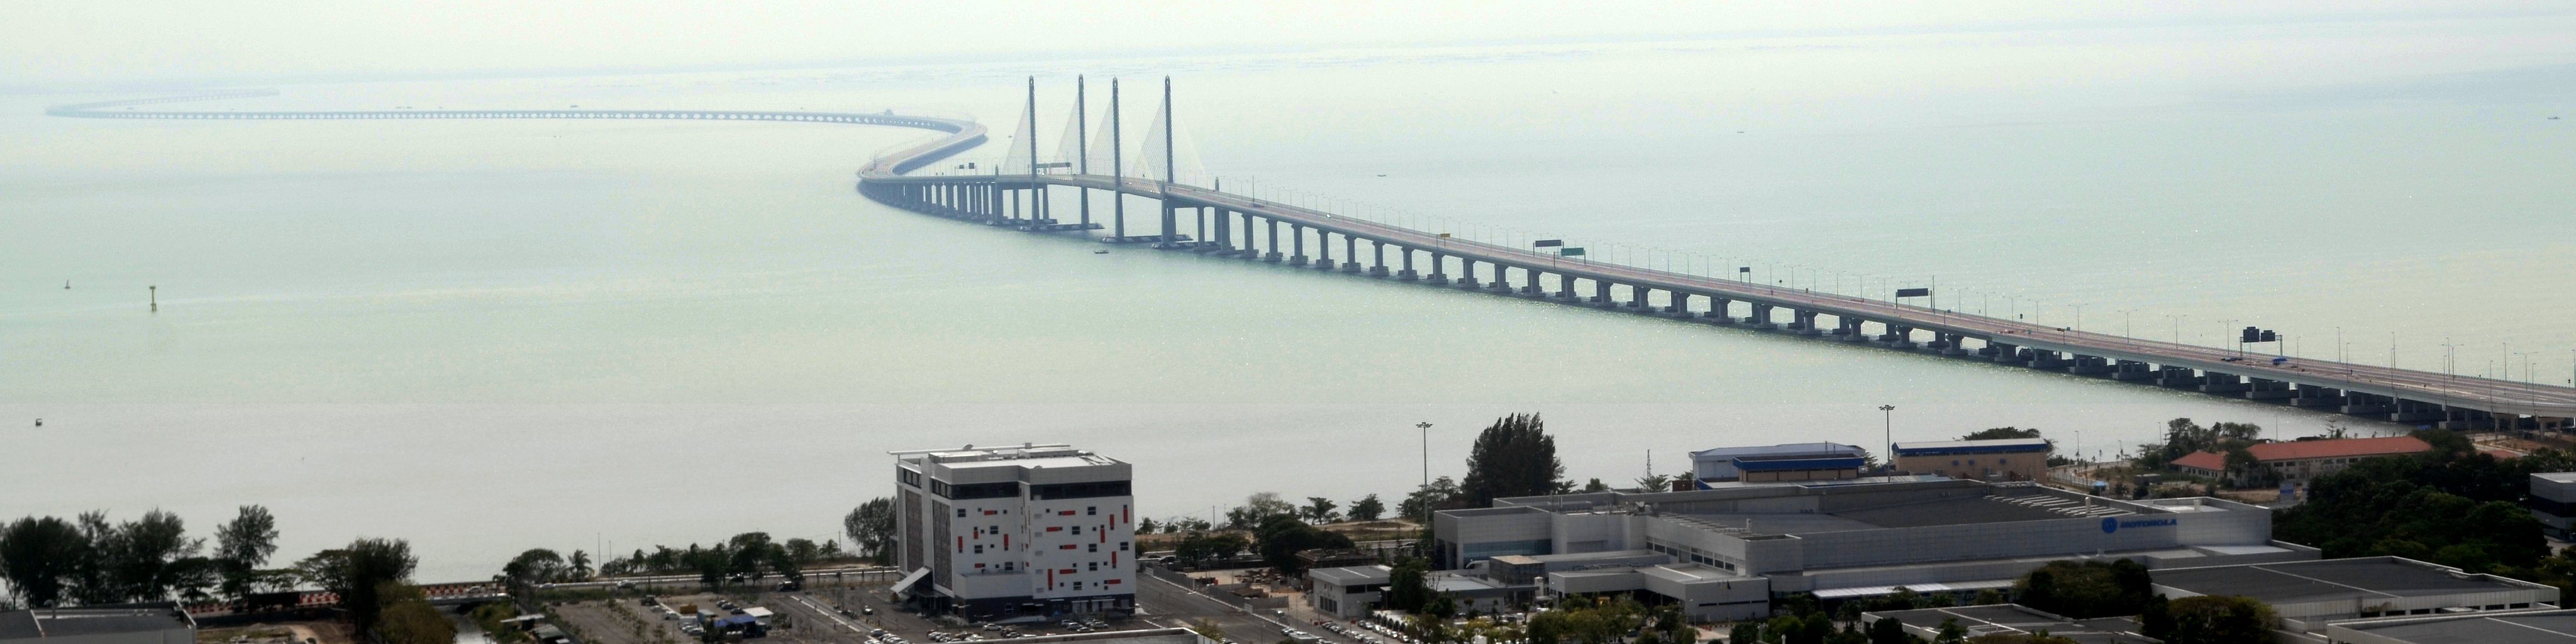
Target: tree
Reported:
[(1887, 630), (39, 557), (751, 554), (1367, 508), (1258, 508), (871, 528), (1442, 494), (1147, 526), (409, 619), (803, 551), (1408, 586), (358, 573), (2087, 589), (1281, 537), (2215, 620), (1199, 548), (1595, 485), (1512, 457), (1998, 433), (1654, 483), (1951, 632), (1319, 509), (243, 545), (534, 566), (578, 565)]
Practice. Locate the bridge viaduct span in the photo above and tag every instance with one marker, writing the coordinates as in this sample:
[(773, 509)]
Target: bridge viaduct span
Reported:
[(1237, 226)]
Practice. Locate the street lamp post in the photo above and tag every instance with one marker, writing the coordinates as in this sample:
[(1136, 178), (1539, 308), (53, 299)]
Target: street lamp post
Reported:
[(1887, 427), (1426, 452)]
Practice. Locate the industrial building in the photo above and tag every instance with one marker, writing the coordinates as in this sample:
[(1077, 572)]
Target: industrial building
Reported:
[(1027, 531), (2000, 459), (1772, 463), (98, 626), (2304, 460), (2553, 502), (2544, 627), (2309, 594), (1726, 551), (1347, 592), (2012, 619)]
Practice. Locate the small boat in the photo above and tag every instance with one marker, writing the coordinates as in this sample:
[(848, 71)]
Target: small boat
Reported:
[(1103, 251)]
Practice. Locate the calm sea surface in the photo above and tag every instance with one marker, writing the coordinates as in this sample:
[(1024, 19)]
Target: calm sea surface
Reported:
[(486, 336)]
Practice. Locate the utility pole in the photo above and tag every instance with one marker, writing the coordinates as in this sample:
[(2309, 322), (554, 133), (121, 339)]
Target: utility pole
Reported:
[(1426, 452), (1887, 418)]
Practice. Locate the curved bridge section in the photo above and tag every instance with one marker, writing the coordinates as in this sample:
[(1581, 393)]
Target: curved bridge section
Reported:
[(1251, 229)]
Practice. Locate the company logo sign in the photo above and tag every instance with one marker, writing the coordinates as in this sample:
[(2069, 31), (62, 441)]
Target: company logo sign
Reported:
[(2113, 524)]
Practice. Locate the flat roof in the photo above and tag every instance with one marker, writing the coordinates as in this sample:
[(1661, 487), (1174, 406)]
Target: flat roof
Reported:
[(1977, 446), (1349, 575), (2300, 582), (1994, 619), (28, 624), (2562, 477), (2552, 627), (1915, 514)]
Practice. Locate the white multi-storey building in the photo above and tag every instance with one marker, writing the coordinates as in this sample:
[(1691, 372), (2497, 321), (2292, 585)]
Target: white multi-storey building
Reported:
[(1022, 531)]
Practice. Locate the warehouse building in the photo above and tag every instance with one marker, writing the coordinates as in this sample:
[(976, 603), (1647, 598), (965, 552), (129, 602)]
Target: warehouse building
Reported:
[(1347, 592), (2000, 459), (2546, 627), (2308, 594), (1025, 531), (1853, 539), (1772, 463), (2012, 619), (98, 626)]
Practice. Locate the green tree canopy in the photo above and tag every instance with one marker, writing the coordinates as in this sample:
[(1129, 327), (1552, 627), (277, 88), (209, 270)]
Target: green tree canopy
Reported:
[(2087, 589), (243, 545), (1281, 537), (871, 528), (40, 558), (2213, 620), (1367, 508), (1512, 457), (358, 573), (2001, 433)]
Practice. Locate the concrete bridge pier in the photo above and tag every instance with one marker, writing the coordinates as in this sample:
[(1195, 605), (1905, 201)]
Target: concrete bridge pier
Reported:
[(2004, 353), (1847, 329), (1297, 242), (2361, 404), (2090, 365), (1805, 321), (1677, 304), (1273, 256), (1224, 231), (1350, 253), (1379, 267), (1408, 274), (2222, 383), (1565, 287), (1531, 287), (2311, 396), (1323, 249), (2048, 360), (1439, 269), (2177, 377), (2416, 411), (1601, 294), (1958, 345), (1503, 279), (1720, 310), (2131, 370), (1639, 297), (1467, 274), (1897, 337), (2263, 389)]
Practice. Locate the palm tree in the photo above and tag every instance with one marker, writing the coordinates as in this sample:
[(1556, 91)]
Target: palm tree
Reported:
[(580, 564)]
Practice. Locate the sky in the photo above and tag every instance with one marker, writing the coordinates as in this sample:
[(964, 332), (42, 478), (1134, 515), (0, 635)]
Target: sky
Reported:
[(55, 46)]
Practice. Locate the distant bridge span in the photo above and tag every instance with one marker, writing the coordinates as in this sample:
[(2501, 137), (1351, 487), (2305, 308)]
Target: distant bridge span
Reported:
[(1234, 225)]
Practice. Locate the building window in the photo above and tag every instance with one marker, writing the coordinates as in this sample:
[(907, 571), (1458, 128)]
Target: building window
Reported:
[(979, 549), (1093, 510), (1122, 546), (1077, 529), (993, 530), (1092, 547), (1093, 566), (961, 513), (1077, 585)]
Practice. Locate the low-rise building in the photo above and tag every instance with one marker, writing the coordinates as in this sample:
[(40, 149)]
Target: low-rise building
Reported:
[(98, 626), (1842, 538), (1770, 463), (2306, 595), (2553, 502), (2000, 459), (2301, 460), (1349, 592), (1014, 531), (2542, 627), (2012, 619)]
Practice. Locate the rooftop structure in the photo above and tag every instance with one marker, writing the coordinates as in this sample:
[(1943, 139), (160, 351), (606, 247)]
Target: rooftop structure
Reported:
[(97, 626), (1790, 462), (1852, 539), (2005, 619), (1026, 530), (2553, 502), (2545, 627), (1347, 592), (2306, 594), (2300, 460), (2000, 459)]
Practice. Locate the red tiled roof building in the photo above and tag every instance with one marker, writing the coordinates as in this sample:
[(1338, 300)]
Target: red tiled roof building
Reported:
[(2303, 460)]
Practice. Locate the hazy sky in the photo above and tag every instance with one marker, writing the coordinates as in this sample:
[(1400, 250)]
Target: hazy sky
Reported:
[(72, 44)]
